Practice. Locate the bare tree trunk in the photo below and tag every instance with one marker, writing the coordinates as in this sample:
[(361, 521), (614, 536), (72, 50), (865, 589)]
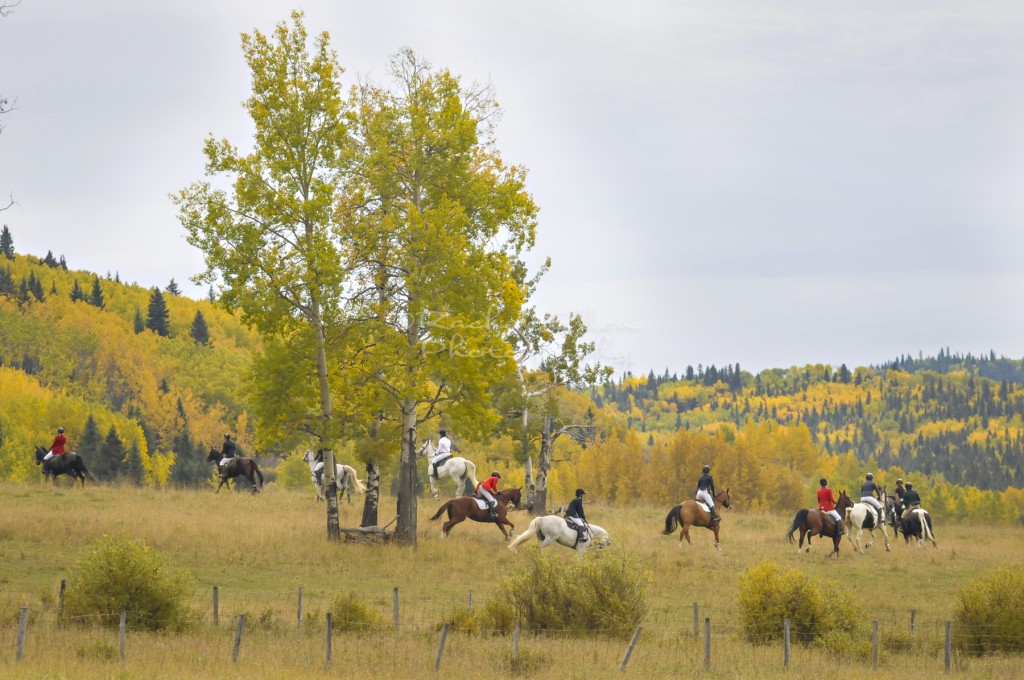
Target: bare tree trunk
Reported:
[(330, 482), (529, 483), (372, 499), (406, 529), (540, 499)]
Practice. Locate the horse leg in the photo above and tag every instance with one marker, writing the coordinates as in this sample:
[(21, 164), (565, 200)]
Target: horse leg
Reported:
[(686, 535), (714, 526), (446, 529)]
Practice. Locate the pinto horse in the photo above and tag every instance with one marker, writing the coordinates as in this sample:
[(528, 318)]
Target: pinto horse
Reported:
[(861, 516), (816, 522), (918, 524), (691, 513), (65, 464), (243, 466), (466, 507)]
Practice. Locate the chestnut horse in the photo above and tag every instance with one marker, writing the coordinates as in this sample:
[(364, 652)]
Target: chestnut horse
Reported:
[(465, 507), (246, 467), (814, 522), (690, 513)]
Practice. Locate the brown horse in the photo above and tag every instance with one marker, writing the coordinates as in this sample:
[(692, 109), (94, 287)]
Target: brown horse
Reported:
[(246, 467), (690, 513), (816, 523), (69, 464), (465, 507)]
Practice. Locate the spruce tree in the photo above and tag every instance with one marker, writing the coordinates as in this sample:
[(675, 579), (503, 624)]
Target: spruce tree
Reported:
[(50, 260), (200, 332), (6, 243), (172, 288), (211, 295), (158, 318), (132, 470), (97, 294), (190, 467), (63, 263), (140, 323), (7, 286), (23, 292), (89, 445), (111, 455), (77, 293), (35, 286)]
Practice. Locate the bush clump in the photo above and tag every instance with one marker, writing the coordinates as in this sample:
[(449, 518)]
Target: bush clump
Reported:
[(600, 595), (990, 613), (121, 574), (349, 612), (818, 612)]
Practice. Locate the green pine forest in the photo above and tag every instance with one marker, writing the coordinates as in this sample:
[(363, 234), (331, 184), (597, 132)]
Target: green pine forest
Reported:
[(146, 380)]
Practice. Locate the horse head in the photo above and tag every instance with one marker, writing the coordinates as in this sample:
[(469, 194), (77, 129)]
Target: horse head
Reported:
[(724, 499), (843, 503), (427, 450), (213, 456), (512, 496), (40, 454)]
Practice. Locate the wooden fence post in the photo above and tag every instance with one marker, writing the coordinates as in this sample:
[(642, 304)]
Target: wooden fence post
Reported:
[(785, 643), (469, 602), (874, 644), (216, 606), (440, 648), (60, 601), (121, 633), (629, 650), (913, 615), (396, 607), (949, 646), (238, 637), (330, 636), (300, 607), (515, 644), (696, 621), (707, 643), (22, 627)]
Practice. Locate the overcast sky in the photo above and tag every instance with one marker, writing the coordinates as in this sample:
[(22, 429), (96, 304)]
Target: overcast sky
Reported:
[(768, 183)]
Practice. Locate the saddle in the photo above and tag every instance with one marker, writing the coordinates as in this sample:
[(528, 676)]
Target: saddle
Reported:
[(703, 506), (480, 503), (439, 464)]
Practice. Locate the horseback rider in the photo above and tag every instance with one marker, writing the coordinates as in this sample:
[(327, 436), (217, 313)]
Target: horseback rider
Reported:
[(575, 515), (911, 501), (443, 453), (227, 455), (318, 469), (898, 492), (486, 490), (706, 493), (57, 448), (868, 493), (827, 504)]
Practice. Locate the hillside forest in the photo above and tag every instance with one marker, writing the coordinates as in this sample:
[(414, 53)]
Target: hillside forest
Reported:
[(146, 380)]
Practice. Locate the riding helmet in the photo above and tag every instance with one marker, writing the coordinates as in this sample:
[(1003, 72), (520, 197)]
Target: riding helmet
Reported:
[(823, 482), (227, 436), (909, 486), (870, 476), (496, 474), (60, 430), (580, 492), (707, 469), (899, 481), (443, 433)]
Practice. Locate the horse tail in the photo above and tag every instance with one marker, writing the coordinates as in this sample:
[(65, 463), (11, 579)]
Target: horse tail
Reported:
[(441, 510), (256, 469), (471, 472), (801, 518), (926, 523), (673, 520), (531, 531), (360, 487)]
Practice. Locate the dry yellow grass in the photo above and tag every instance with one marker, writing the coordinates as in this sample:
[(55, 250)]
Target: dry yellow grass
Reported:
[(260, 550)]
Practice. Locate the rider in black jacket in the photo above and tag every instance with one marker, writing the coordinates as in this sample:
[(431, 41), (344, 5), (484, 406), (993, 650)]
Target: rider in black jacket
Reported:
[(575, 514)]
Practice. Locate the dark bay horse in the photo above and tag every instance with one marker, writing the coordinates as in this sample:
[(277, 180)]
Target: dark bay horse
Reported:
[(243, 466), (67, 464), (465, 507), (690, 513), (814, 522)]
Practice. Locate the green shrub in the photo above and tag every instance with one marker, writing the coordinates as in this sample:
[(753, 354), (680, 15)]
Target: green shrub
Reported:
[(990, 613), (817, 611), (548, 593), (349, 612), (121, 574), (293, 473)]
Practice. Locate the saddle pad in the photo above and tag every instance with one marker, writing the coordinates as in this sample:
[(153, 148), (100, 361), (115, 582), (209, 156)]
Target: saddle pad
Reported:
[(480, 503), (703, 506)]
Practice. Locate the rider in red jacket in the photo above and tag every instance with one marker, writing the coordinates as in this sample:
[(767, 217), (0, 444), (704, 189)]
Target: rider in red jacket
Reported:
[(827, 504), (486, 490)]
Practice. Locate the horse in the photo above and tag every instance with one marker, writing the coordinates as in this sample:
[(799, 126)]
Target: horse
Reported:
[(691, 513), (862, 516), (246, 467), (466, 507), (893, 511), (918, 524), (815, 522), (550, 529), (70, 464), (456, 468), (344, 475)]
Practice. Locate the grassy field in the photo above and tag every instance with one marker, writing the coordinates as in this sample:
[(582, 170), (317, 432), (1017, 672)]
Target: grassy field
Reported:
[(259, 551)]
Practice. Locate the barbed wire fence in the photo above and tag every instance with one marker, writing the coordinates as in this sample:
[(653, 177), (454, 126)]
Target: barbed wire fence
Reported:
[(687, 638)]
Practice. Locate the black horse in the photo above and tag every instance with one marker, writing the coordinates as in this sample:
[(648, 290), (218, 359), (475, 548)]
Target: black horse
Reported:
[(239, 465), (67, 464)]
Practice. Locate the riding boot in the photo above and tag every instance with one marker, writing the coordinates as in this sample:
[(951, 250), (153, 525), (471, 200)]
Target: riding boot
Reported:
[(581, 536), (494, 513), (714, 516), (320, 477)]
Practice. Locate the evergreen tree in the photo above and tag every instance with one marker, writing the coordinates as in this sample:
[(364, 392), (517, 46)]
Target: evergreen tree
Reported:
[(7, 286), (211, 295), (190, 467), (111, 455), (6, 243), (50, 261), (63, 263), (35, 286), (140, 323), (89, 445), (23, 292), (158, 318), (200, 332), (172, 288), (77, 294), (96, 300), (132, 470)]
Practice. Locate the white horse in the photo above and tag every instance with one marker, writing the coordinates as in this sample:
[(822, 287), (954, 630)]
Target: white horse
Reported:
[(456, 468), (860, 517), (550, 529), (344, 475)]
